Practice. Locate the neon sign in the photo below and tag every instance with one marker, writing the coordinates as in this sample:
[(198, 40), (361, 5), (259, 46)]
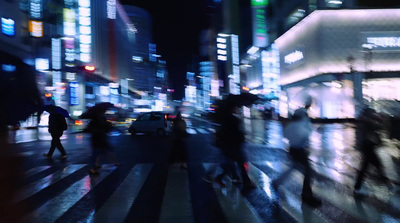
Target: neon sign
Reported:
[(35, 9), (111, 9), (36, 28), (260, 37), (294, 57), (8, 27), (74, 93), (56, 53)]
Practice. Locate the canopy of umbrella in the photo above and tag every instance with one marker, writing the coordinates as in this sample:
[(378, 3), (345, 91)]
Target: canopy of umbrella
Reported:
[(18, 90)]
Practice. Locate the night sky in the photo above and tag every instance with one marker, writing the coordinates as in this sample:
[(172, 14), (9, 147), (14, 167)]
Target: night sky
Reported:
[(176, 28)]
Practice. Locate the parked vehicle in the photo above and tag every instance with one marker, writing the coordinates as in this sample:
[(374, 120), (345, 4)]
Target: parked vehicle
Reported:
[(152, 122)]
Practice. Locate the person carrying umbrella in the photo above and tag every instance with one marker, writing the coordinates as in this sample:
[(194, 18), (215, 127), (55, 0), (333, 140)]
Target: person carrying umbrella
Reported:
[(99, 127), (57, 126)]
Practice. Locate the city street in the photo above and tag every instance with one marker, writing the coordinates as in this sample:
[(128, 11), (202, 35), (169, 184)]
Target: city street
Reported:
[(145, 188)]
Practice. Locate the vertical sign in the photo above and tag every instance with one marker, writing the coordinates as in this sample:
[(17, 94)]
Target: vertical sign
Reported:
[(74, 93), (85, 37), (260, 37), (56, 53), (235, 87), (35, 9)]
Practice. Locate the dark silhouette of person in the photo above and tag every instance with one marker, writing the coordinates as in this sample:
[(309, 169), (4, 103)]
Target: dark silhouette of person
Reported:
[(57, 125), (179, 153), (231, 138), (369, 122), (99, 127), (298, 132)]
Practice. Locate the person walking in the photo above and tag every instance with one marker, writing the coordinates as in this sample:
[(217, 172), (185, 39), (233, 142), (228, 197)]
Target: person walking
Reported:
[(179, 153), (99, 127), (298, 132), (231, 138), (57, 126), (369, 123)]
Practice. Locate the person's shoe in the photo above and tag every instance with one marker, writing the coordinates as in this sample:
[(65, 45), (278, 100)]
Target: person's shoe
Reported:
[(312, 201), (93, 171), (63, 157), (46, 155)]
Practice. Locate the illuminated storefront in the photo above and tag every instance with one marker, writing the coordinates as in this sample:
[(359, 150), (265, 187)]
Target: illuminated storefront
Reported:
[(348, 54)]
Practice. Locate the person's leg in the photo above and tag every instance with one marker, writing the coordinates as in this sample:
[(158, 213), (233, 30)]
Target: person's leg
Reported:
[(374, 159), (366, 159), (53, 145), (60, 146)]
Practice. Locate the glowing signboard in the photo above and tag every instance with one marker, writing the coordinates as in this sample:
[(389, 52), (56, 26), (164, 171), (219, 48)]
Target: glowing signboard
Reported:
[(294, 57), (56, 53), (69, 22), (8, 27), (85, 37), (259, 2), (259, 8), (41, 64), (73, 93), (36, 28), (35, 9), (111, 9)]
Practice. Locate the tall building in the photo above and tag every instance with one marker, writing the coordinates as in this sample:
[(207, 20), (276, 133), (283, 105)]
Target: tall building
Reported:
[(143, 70), (341, 52)]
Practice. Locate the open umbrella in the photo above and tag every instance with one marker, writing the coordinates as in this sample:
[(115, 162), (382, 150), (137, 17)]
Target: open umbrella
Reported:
[(58, 109), (18, 89), (243, 99), (99, 107)]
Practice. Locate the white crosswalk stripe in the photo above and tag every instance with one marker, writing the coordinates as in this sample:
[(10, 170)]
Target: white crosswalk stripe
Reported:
[(53, 209), (176, 204), (235, 206), (39, 185), (117, 206)]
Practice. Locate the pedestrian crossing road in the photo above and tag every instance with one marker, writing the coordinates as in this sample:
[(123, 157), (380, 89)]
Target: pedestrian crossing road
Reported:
[(152, 192)]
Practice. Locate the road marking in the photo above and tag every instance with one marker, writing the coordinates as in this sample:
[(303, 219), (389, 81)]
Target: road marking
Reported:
[(176, 206), (43, 183), (191, 131), (290, 204), (35, 170), (116, 208), (234, 205), (202, 131), (348, 204), (56, 207)]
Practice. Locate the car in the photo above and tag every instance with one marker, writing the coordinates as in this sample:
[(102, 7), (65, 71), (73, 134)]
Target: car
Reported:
[(152, 122)]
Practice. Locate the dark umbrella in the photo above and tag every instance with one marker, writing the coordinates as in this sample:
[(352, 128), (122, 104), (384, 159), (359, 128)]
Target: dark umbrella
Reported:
[(99, 107), (58, 109), (243, 99), (18, 89)]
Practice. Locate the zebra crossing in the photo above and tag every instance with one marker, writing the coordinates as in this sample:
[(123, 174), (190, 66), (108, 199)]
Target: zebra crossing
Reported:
[(118, 192)]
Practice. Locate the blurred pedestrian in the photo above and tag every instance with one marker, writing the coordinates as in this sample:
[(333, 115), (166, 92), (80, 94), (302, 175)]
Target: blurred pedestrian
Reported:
[(298, 132), (230, 138), (99, 127), (57, 126), (178, 151), (369, 123)]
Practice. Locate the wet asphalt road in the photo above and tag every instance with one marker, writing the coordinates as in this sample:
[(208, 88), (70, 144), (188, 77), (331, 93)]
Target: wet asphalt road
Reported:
[(146, 189)]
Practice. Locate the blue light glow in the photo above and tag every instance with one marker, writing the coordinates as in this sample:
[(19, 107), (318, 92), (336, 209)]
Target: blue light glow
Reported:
[(8, 26)]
